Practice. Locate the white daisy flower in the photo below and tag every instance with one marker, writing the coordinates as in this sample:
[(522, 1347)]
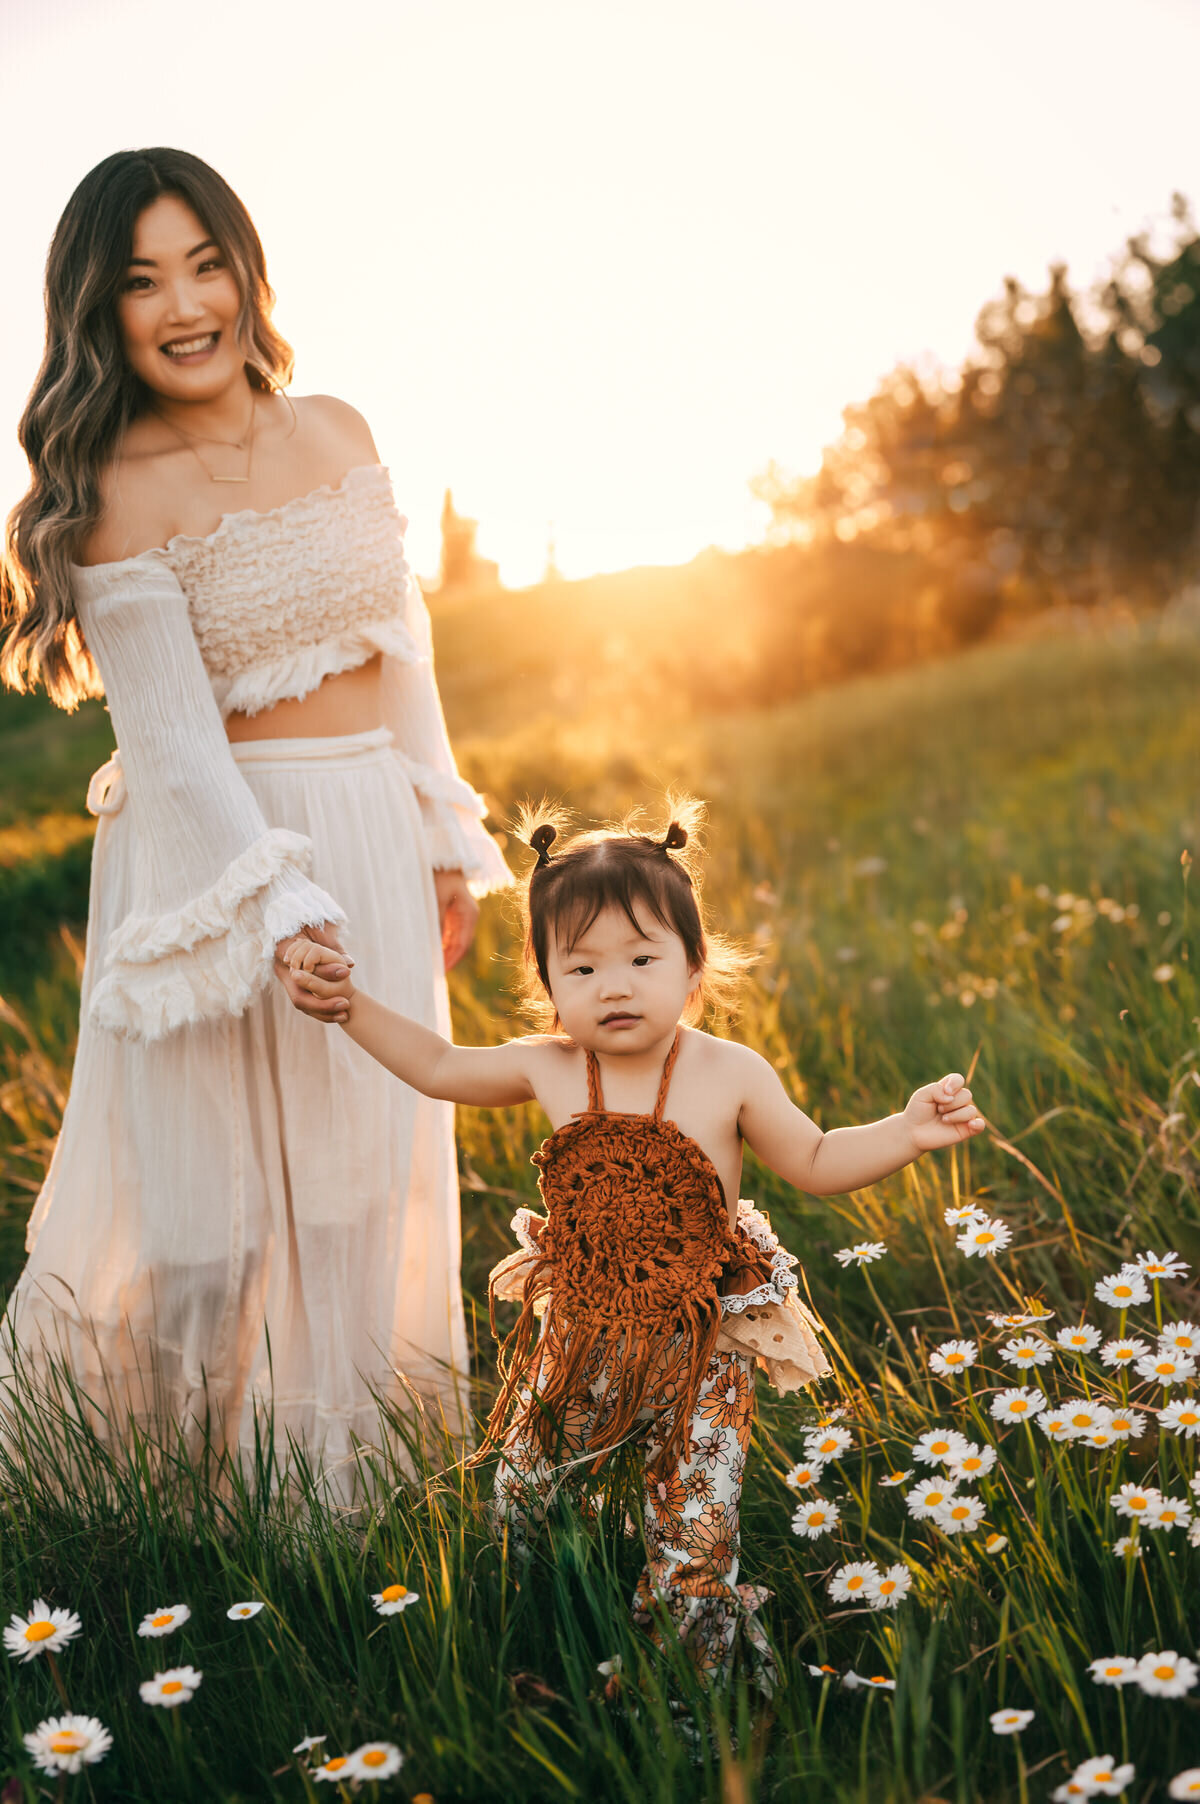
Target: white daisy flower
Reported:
[(823, 1672), (1126, 1424), (66, 1744), (986, 1237), (1151, 1266), (1102, 1775), (1011, 1322), (392, 1599), (1124, 1290), (1128, 1544), (827, 1443), (1084, 1417), (960, 1514), (851, 1581), (165, 1620), (890, 1588), (1180, 1337), (1055, 1425), (805, 1473), (1166, 1368), (814, 1518), (952, 1357), (1168, 1512), (939, 1444), (376, 1760), (852, 1680), (334, 1771), (1027, 1352), (309, 1742), (896, 1478), (1100, 1437), (995, 1543), (1068, 1791), (1017, 1404), (43, 1631), (1181, 1417), (172, 1687), (1135, 1501), (1123, 1352), (238, 1612), (864, 1253), (610, 1668), (1185, 1784), (1010, 1722), (1114, 1669), (1084, 1339), (973, 1462), (1166, 1675), (925, 1499), (954, 1218)]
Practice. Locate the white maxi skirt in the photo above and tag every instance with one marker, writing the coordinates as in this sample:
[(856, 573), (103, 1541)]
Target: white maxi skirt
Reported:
[(251, 1213)]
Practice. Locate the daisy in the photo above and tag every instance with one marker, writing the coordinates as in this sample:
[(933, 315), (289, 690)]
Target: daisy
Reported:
[(1027, 1352), (1010, 1322), (1151, 1266), (1127, 1425), (170, 1688), (1017, 1404), (808, 1472), (863, 1254), (995, 1544), (610, 1667), (828, 1443), (852, 1581), (334, 1770), (1128, 1544), (896, 1478), (1166, 1675), (852, 1680), (376, 1760), (1010, 1722), (972, 1462), (1070, 1788), (1084, 1339), (924, 1499), (1100, 1437), (1122, 1291), (1123, 1352), (815, 1518), (165, 1620), (1103, 1776), (959, 1515), (1055, 1425), (1182, 1416), (238, 1612), (392, 1599), (939, 1444), (952, 1357), (309, 1742), (43, 1631), (890, 1588), (1114, 1669), (1166, 1368), (1180, 1337), (1084, 1418), (1135, 1501), (823, 1672), (986, 1237), (954, 1218), (1185, 1784), (66, 1744), (1168, 1512)]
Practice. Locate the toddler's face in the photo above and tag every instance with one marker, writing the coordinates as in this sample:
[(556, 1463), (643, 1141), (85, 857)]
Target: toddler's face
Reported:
[(620, 988)]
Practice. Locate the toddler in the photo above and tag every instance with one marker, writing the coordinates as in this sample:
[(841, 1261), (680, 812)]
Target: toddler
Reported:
[(648, 1291)]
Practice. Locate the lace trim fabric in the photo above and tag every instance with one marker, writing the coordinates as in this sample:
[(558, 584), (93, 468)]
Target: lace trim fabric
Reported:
[(756, 1227)]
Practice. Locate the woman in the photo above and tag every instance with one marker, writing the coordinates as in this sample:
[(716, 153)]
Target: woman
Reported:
[(228, 1225)]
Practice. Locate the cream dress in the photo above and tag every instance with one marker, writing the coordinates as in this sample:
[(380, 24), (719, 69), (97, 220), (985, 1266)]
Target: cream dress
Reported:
[(244, 1212)]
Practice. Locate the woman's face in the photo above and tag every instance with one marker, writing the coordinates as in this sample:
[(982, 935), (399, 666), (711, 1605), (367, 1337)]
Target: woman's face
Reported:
[(178, 288)]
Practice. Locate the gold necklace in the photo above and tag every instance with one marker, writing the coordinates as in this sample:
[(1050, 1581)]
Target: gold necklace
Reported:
[(237, 444)]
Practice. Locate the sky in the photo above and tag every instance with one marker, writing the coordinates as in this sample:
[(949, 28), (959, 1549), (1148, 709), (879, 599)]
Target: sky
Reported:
[(593, 263)]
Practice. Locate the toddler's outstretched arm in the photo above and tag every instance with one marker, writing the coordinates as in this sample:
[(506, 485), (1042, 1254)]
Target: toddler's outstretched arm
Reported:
[(489, 1077)]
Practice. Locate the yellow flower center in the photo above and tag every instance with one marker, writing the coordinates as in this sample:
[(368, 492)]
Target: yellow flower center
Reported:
[(852, 1584), (39, 1631), (172, 1686), (1164, 1672), (953, 1359), (1119, 1424), (337, 1763), (886, 1586), (160, 1622), (970, 1465), (959, 1512), (1082, 1420), (1102, 1778), (935, 1497), (1167, 1515), (1017, 1405), (984, 1238), (69, 1742), (1165, 1365), (1112, 1672), (939, 1446), (392, 1592), (1079, 1340), (1188, 1417), (374, 1757), (817, 1516), (828, 1446), (879, 1678), (1136, 1503)]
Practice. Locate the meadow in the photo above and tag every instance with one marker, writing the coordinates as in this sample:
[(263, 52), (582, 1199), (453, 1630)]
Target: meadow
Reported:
[(978, 864)]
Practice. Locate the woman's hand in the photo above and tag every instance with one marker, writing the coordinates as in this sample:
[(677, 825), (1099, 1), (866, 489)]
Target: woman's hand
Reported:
[(295, 982), (458, 912), (942, 1114)]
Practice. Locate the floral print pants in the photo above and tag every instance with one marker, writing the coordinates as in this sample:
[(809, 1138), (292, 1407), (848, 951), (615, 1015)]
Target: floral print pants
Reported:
[(691, 1516)]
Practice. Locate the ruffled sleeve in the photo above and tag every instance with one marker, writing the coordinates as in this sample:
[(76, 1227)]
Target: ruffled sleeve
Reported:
[(215, 887), (452, 812)]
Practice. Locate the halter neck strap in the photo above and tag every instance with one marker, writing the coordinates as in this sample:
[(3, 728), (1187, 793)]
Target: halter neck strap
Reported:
[(596, 1094)]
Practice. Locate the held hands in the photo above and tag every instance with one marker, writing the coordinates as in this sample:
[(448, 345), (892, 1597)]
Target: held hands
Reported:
[(942, 1114), (297, 960)]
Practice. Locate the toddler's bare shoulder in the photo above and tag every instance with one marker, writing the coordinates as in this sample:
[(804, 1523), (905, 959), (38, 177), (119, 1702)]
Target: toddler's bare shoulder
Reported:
[(728, 1059)]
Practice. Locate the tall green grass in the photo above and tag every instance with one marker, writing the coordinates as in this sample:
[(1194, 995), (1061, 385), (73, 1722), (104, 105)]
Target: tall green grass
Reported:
[(976, 866)]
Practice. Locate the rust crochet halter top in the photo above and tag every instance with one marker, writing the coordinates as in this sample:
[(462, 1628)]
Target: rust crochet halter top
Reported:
[(636, 1239)]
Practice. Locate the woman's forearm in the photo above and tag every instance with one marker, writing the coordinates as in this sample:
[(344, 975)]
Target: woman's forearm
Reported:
[(411, 1052), (849, 1158)]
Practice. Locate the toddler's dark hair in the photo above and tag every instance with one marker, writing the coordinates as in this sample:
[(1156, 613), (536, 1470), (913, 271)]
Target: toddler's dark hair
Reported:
[(621, 867)]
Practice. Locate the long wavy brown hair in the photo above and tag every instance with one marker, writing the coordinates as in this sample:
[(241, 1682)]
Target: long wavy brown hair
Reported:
[(85, 395)]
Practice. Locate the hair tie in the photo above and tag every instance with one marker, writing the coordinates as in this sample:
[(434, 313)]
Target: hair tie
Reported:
[(675, 839), (541, 840)]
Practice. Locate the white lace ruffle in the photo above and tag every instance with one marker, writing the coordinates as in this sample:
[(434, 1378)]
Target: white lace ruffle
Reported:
[(754, 1225), (520, 1226), (212, 956)]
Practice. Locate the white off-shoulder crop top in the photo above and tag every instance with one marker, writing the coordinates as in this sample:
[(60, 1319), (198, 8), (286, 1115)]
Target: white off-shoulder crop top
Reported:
[(260, 610)]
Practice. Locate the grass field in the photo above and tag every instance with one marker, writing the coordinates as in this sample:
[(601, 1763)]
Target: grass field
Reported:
[(979, 865)]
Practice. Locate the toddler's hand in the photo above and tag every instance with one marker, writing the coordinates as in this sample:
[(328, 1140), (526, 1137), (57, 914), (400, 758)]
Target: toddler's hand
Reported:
[(942, 1114), (320, 973)]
